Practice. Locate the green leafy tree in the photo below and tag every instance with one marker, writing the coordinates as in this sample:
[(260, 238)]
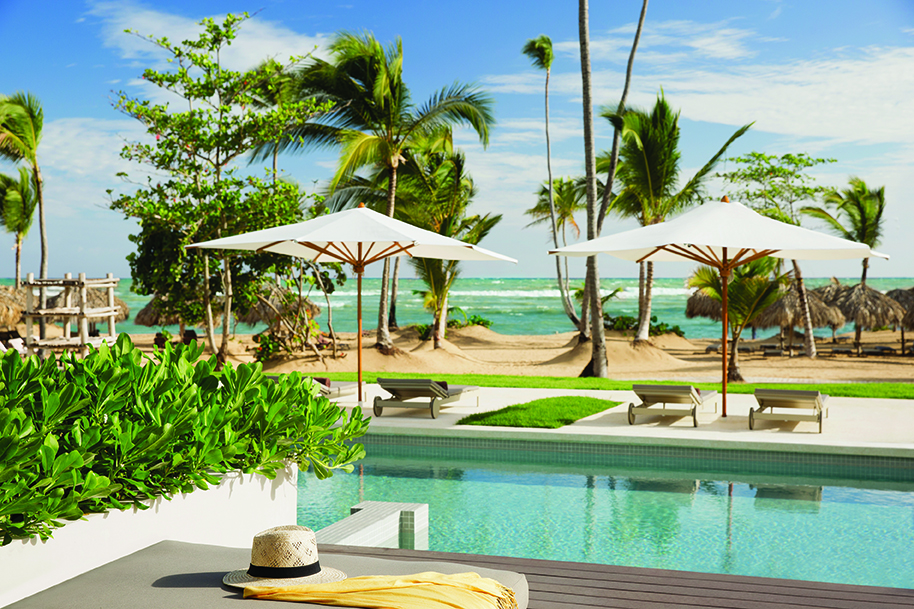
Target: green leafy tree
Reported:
[(753, 287), (18, 199), (203, 195), (374, 119), (649, 177), (774, 185), (855, 213)]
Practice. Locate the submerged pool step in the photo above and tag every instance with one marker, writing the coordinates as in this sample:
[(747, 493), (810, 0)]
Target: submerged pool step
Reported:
[(380, 524)]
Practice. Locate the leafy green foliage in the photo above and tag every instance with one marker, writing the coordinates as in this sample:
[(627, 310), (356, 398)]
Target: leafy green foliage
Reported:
[(548, 413), (197, 192), (110, 430), (624, 323)]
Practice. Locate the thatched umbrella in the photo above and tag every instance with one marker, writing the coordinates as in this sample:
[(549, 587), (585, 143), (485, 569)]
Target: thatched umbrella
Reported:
[(702, 305), (280, 299), (11, 306), (95, 299), (786, 312), (906, 299), (867, 308), (150, 315)]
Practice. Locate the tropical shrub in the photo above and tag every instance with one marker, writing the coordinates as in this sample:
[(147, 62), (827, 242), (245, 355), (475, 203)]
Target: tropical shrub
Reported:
[(86, 435)]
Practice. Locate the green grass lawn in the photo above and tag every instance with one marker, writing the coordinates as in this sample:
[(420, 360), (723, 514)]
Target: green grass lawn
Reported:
[(902, 391), (548, 413)]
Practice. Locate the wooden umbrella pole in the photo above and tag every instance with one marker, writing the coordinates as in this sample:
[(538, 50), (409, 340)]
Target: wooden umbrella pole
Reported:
[(724, 280), (359, 269)]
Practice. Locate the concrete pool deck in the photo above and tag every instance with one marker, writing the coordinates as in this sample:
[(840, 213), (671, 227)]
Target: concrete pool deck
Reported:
[(853, 426)]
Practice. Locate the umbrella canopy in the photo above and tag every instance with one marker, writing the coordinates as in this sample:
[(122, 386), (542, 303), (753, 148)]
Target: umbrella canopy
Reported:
[(786, 312), (357, 236), (903, 297), (907, 321), (722, 235), (95, 299)]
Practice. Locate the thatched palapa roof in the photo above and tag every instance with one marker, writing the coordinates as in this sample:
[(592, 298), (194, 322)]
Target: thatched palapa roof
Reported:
[(786, 312), (866, 307), (150, 315), (282, 299), (702, 305), (12, 303)]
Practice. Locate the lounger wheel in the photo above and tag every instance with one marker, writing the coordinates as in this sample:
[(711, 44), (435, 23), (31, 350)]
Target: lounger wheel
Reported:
[(377, 409), (751, 419), (435, 407), (631, 415)]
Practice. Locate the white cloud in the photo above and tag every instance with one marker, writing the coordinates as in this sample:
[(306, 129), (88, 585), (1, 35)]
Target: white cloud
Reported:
[(246, 51)]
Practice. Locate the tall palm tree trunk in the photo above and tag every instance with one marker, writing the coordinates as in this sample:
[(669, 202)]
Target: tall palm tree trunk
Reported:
[(598, 336), (19, 264), (614, 155), (384, 341), (644, 323), (809, 341), (563, 288), (394, 288), (43, 235)]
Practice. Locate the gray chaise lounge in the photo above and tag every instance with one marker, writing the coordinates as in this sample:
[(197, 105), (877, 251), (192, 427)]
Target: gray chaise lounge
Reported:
[(769, 399), (652, 395), (425, 392)]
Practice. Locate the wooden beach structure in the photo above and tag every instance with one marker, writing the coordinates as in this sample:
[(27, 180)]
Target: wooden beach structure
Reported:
[(75, 309)]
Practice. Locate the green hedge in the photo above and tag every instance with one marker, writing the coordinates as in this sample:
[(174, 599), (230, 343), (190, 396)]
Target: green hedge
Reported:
[(107, 431)]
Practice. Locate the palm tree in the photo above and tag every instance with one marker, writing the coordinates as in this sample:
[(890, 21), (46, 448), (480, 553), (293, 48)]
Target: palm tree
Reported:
[(21, 123), (539, 50), (858, 215), (374, 119), (558, 206), (753, 288), (598, 364), (17, 209), (649, 174), (437, 195)]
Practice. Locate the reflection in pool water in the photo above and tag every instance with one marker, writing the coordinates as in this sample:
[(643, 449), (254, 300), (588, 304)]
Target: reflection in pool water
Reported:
[(669, 520)]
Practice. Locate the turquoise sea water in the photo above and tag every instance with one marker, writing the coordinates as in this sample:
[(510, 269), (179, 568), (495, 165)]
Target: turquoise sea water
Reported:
[(816, 531), (515, 306)]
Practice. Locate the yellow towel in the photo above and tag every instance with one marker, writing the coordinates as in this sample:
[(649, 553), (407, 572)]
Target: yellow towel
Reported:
[(429, 590)]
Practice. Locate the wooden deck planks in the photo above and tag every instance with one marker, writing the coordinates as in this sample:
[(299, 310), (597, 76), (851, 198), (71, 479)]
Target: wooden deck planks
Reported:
[(563, 585)]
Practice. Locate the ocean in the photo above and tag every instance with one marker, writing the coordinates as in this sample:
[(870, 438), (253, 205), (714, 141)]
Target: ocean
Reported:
[(515, 306)]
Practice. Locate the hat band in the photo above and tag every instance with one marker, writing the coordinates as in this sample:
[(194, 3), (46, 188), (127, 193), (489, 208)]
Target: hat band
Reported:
[(285, 572)]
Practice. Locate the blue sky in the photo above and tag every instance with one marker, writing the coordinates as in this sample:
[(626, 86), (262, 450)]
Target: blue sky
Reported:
[(831, 78)]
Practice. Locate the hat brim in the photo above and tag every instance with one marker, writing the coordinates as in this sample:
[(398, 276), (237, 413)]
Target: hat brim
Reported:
[(241, 579)]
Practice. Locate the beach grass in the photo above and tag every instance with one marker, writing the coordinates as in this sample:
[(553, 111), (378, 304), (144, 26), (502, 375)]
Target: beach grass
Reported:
[(547, 413), (899, 391)]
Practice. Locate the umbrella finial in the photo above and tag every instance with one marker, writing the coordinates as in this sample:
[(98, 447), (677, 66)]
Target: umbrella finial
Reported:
[(725, 199), (361, 205)]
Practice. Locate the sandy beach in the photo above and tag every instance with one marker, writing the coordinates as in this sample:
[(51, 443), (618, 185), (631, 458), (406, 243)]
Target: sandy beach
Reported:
[(477, 350)]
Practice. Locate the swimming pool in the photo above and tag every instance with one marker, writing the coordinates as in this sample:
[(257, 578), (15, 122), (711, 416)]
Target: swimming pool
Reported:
[(707, 518)]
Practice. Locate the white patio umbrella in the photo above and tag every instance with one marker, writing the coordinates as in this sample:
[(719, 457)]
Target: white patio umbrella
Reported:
[(357, 236), (722, 235)]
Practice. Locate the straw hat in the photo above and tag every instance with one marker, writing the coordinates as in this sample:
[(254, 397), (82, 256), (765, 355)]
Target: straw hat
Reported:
[(283, 556)]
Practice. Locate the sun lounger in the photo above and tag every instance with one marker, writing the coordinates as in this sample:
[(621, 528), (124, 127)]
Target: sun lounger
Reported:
[(769, 399), (773, 352), (842, 351), (652, 395), (425, 392)]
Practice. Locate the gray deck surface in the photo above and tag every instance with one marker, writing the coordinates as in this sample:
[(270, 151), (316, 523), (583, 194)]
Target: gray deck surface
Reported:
[(562, 585)]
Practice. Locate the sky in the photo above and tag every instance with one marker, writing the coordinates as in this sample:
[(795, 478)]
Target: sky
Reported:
[(832, 78)]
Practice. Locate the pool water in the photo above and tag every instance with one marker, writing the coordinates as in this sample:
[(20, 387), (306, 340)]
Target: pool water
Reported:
[(763, 526)]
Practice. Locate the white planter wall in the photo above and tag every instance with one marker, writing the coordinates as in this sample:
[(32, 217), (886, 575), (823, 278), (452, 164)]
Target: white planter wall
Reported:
[(228, 515)]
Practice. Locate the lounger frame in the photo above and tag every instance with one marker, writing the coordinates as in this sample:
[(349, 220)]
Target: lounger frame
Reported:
[(420, 393), (791, 400), (652, 395)]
